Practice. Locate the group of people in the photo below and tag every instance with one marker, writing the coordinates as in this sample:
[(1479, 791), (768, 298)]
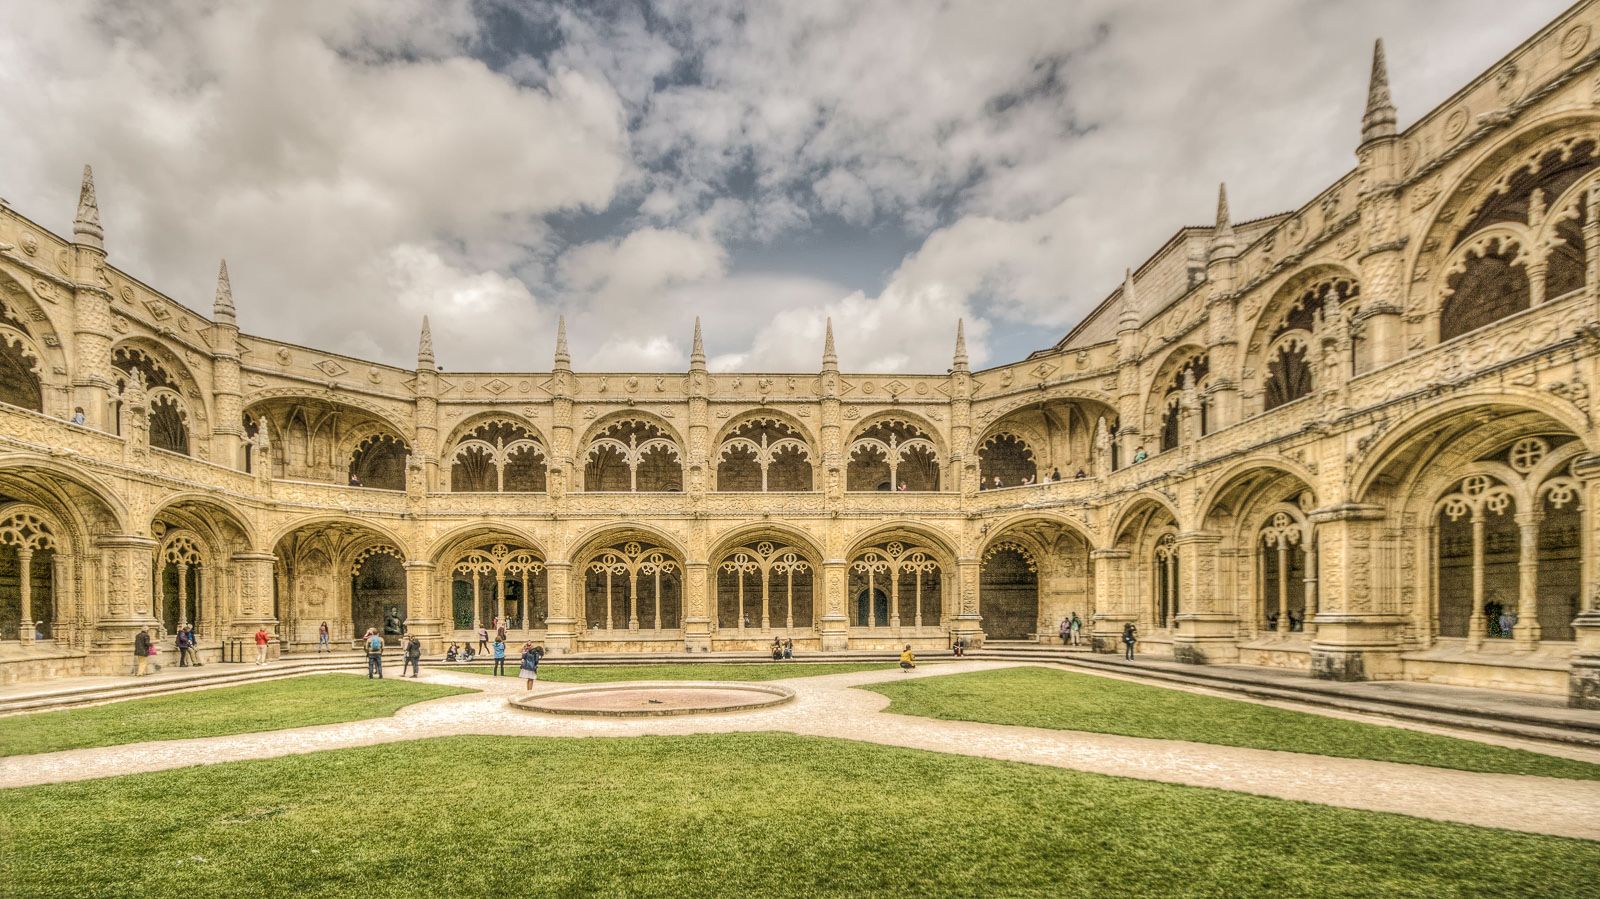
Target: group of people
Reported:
[(997, 483), (1071, 630), (782, 649), (410, 649)]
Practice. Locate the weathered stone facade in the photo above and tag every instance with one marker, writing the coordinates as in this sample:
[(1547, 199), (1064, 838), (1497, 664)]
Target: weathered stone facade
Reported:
[(1355, 438)]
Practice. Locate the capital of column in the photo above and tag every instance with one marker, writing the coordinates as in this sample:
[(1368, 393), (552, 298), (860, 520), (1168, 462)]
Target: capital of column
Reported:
[(1348, 512), (423, 565), (1109, 554), (126, 541)]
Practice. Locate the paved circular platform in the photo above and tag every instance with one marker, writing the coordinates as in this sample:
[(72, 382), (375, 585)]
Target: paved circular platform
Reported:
[(652, 699)]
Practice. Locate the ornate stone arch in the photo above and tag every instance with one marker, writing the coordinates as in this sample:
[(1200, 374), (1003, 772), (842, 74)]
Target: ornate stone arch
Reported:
[(764, 452), (632, 453), (886, 445), (1165, 385), (497, 454), (743, 417)]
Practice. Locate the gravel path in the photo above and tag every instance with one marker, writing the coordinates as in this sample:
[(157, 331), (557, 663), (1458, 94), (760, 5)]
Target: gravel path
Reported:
[(827, 706)]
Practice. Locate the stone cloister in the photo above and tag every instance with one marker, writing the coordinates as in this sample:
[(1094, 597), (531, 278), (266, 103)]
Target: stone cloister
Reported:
[(1355, 438)]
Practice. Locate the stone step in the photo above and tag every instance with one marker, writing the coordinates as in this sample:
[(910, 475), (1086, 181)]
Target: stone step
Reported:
[(1532, 722)]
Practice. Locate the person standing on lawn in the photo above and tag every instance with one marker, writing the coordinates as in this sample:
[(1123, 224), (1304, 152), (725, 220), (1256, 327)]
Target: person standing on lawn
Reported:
[(141, 652), (374, 645), (530, 665), (483, 640), (413, 658), (262, 639), (908, 661), (1130, 636), (499, 658)]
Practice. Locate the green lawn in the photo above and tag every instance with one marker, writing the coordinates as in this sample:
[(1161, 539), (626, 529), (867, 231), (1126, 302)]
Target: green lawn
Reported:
[(754, 671), (727, 815), (1045, 697), (272, 705)]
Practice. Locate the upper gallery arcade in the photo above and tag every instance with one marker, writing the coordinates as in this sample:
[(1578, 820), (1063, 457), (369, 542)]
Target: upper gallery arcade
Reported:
[(1356, 437)]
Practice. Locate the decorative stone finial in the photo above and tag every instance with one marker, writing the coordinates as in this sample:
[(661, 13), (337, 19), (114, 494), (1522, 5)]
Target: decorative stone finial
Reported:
[(830, 357), (86, 228), (697, 353), (563, 358), (1129, 320), (222, 310), (960, 361), (1378, 122), (1223, 242), (425, 346)]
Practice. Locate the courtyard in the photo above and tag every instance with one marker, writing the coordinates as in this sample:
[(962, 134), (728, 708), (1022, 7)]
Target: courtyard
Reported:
[(958, 778)]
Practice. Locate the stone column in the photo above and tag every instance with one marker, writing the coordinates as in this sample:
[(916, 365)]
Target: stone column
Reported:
[(835, 629), (25, 584), (1477, 621), (561, 624), (1358, 621), (1527, 627), (1111, 607), (1310, 549), (1583, 678), (1204, 633), (422, 614)]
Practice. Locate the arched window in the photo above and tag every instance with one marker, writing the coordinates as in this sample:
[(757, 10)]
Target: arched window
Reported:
[(762, 455), (1164, 578), (633, 456), (500, 584), (893, 582), (1285, 544), (1289, 375), (1477, 546), (1008, 592), (633, 585), (27, 575), (1192, 375), (169, 414), (1288, 360), (181, 564), (20, 364), (892, 455), (764, 584), (1487, 282), (379, 461), (1007, 457), (498, 457)]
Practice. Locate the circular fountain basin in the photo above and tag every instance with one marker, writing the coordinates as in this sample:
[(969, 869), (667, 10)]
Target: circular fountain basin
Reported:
[(646, 699)]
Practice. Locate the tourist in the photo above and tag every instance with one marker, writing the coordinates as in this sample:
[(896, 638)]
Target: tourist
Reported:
[(1296, 623), (185, 643), (499, 658), (467, 654), (904, 487), (530, 665), (483, 639), (77, 416), (500, 631), (746, 620), (1065, 630), (997, 482), (355, 480), (788, 649), (450, 654), (1139, 455), (262, 639), (413, 657), (322, 638), (1508, 622), (1055, 474), (38, 630), (777, 649), (907, 660), (141, 652), (959, 647), (1130, 635), (1077, 629), (374, 644), (1027, 481), (1080, 475), (155, 651)]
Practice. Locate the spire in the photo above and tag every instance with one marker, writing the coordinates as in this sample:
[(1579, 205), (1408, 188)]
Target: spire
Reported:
[(222, 310), (960, 361), (830, 357), (1379, 118), (1129, 320), (86, 226), (425, 346), (563, 358), (1222, 241), (697, 354)]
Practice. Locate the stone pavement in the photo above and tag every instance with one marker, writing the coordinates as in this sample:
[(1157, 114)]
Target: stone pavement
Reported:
[(827, 706)]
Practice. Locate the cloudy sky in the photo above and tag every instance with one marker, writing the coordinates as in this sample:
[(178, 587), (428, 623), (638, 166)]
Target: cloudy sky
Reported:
[(894, 163)]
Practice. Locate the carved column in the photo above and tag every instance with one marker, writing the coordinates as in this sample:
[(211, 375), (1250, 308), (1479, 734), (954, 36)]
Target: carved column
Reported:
[(561, 625), (1111, 607), (1204, 632), (835, 630), (1527, 627), (25, 585), (1358, 624), (1583, 678), (127, 602), (423, 619)]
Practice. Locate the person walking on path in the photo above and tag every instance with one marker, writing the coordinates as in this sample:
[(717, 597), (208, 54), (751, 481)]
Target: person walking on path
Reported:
[(141, 652), (374, 644), (499, 658), (908, 661), (184, 641), (1065, 630), (483, 640), (1130, 636), (322, 638), (500, 631), (413, 658), (1077, 629), (262, 639), (530, 665)]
